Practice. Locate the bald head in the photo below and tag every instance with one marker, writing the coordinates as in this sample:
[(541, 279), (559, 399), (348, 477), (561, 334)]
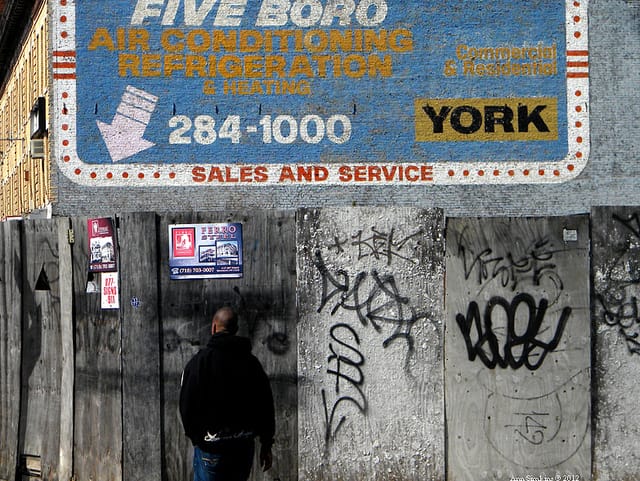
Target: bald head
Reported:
[(224, 320)]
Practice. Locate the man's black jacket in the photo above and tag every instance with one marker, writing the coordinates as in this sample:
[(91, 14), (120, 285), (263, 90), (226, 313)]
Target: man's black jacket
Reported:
[(225, 393)]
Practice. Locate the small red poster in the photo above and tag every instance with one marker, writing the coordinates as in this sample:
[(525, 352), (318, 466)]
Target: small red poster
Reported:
[(102, 246), (184, 242)]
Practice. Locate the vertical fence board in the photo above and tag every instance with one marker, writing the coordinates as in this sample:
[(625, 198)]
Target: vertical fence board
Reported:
[(98, 380), (42, 345), (265, 299), (517, 348), (370, 300), (141, 394), (616, 290), (65, 269), (184, 310), (10, 346)]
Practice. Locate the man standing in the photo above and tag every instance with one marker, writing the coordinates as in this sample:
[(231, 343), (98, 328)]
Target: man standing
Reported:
[(226, 401)]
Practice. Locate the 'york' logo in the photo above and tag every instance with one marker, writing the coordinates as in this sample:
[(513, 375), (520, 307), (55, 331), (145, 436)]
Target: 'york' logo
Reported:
[(486, 119)]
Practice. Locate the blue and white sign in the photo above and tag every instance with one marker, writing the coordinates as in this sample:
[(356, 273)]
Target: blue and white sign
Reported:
[(229, 92)]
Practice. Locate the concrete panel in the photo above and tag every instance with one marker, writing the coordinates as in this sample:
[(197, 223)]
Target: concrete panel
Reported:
[(517, 349), (616, 289), (369, 354)]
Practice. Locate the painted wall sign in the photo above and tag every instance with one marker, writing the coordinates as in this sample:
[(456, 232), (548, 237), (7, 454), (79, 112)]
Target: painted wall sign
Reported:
[(255, 92), (205, 251)]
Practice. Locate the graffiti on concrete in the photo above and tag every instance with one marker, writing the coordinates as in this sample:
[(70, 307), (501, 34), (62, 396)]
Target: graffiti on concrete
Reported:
[(374, 298), (345, 364), (376, 301), (616, 303), (379, 244)]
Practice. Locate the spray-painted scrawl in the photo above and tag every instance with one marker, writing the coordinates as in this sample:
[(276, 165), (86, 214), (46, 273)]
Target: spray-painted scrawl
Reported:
[(517, 346), (617, 284), (616, 322), (370, 335)]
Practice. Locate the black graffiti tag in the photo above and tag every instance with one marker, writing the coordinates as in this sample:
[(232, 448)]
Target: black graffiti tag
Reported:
[(374, 305), (533, 266), (616, 305), (379, 245), (623, 314), (382, 245), (519, 350), (632, 223), (345, 363), (532, 427)]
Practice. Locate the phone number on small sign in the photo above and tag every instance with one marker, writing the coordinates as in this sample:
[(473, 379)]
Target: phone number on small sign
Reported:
[(193, 270), (281, 129)]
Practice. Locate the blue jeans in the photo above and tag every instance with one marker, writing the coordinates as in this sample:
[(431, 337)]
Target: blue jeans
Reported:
[(231, 461)]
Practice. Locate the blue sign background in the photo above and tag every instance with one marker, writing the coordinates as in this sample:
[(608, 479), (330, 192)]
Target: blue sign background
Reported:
[(381, 110)]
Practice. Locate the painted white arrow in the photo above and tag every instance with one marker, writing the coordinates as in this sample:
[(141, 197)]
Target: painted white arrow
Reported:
[(123, 136)]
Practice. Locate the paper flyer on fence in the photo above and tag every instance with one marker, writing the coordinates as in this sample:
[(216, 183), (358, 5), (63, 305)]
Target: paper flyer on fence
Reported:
[(205, 251)]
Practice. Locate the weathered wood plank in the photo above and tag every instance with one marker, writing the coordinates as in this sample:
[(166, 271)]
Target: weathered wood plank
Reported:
[(265, 299), (98, 379), (42, 345), (616, 313), (517, 348), (10, 346), (370, 300), (185, 310), (65, 269), (141, 393)]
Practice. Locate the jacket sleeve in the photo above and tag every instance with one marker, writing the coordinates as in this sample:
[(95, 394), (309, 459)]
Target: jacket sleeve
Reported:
[(187, 404), (266, 412)]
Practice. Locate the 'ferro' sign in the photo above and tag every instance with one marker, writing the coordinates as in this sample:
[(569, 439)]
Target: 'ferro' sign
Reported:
[(255, 92)]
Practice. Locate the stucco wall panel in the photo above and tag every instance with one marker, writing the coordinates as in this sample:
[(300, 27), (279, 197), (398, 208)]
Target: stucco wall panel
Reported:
[(369, 359), (616, 288)]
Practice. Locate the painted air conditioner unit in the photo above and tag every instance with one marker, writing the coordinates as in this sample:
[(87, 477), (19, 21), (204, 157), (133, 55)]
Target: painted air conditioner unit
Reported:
[(37, 148)]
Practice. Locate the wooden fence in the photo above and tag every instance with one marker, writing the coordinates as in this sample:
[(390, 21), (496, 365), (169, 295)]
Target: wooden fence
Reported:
[(519, 362), (92, 394)]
